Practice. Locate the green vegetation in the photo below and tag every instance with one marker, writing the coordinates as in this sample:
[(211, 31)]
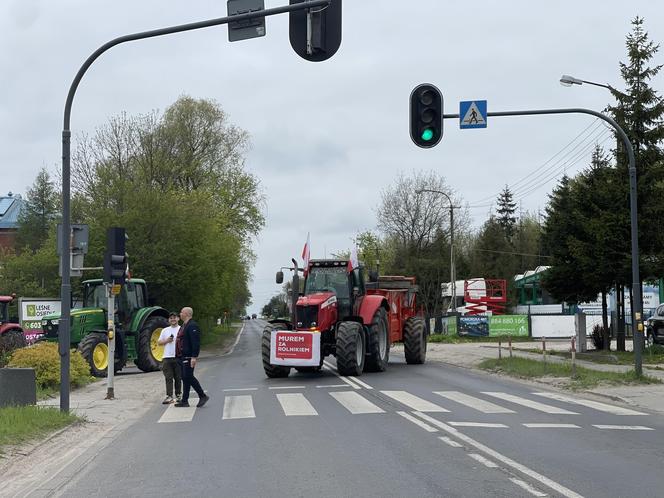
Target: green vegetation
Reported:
[(583, 379), (19, 424), (45, 359), (651, 356), (455, 339), (220, 337)]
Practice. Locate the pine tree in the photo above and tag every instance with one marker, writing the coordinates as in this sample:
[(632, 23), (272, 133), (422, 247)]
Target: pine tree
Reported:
[(506, 209), (38, 213)]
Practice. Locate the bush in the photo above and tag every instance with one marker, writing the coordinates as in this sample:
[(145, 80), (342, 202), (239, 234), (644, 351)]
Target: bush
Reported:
[(45, 359), (598, 336)]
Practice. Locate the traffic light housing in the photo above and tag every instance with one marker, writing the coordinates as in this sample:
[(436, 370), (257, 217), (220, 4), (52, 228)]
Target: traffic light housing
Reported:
[(115, 259), (426, 115), (315, 34)]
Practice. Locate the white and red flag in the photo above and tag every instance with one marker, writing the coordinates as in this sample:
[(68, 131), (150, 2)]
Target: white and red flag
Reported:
[(306, 253), (353, 262)]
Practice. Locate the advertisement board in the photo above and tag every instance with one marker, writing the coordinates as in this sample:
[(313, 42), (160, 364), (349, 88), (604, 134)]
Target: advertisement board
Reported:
[(30, 313), (508, 325), (294, 348), (449, 325), (474, 326)]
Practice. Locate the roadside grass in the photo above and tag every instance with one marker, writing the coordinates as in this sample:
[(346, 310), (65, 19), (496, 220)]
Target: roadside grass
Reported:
[(583, 379), (651, 356), (220, 337), (19, 424), (456, 339)]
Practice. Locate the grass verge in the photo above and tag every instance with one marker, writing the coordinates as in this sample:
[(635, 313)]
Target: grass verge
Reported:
[(650, 356), (19, 424), (456, 339), (583, 379), (220, 337)]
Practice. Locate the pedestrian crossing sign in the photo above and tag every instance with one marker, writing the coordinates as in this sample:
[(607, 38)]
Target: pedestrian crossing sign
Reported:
[(472, 114)]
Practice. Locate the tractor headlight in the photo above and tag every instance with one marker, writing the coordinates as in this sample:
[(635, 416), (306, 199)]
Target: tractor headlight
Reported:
[(44, 323)]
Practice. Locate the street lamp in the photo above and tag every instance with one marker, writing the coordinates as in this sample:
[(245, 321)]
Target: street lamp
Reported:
[(452, 269), (637, 305)]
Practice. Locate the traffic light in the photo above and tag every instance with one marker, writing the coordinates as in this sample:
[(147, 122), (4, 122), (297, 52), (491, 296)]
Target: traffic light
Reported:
[(115, 259), (315, 34), (426, 115)]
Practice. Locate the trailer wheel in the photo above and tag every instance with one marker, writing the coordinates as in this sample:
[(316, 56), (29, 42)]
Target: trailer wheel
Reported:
[(378, 343), (272, 371), (415, 341), (351, 348), (149, 352)]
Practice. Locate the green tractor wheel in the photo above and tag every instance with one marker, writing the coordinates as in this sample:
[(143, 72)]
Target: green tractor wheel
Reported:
[(150, 353)]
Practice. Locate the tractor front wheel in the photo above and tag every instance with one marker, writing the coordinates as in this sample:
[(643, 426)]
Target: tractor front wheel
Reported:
[(351, 348), (149, 352), (415, 341), (378, 343), (272, 371), (94, 349)]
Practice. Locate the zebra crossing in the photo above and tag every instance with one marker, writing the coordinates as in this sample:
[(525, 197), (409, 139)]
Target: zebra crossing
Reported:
[(239, 404)]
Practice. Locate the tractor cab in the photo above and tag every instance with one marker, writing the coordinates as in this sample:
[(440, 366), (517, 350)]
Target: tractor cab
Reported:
[(132, 297)]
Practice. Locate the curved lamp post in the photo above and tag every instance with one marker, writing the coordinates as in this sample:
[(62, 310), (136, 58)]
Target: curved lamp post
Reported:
[(452, 269), (636, 305)]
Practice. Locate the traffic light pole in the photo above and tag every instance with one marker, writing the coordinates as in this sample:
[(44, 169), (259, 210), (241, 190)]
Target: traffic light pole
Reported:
[(65, 288), (637, 305), (110, 368)]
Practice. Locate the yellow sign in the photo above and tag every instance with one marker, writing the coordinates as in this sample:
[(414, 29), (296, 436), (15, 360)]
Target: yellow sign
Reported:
[(115, 290)]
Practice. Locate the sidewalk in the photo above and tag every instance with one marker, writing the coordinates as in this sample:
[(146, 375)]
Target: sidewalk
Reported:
[(469, 355)]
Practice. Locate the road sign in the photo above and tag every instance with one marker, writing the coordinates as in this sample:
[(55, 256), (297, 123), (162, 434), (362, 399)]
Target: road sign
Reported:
[(243, 30), (472, 114)]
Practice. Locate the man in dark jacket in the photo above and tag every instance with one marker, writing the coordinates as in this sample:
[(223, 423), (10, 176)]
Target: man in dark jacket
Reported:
[(187, 347)]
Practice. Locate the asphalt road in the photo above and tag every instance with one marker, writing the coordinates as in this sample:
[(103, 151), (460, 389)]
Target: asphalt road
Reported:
[(413, 431)]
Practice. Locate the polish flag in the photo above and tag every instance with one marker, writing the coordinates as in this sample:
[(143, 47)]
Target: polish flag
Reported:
[(352, 262), (306, 253)]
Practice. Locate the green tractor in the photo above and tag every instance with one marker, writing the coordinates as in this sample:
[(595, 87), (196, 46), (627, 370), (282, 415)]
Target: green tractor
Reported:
[(137, 327)]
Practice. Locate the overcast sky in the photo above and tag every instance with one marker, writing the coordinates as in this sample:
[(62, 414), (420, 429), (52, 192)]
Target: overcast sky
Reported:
[(333, 134)]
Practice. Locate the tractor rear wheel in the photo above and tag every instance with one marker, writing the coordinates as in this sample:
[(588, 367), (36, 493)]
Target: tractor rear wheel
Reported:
[(378, 343), (351, 348), (415, 341), (272, 371), (149, 352)]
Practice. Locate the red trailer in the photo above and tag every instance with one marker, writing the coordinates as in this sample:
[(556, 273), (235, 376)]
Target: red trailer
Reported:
[(11, 334), (340, 314)]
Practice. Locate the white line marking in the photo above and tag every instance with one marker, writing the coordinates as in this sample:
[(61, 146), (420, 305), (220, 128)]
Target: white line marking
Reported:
[(527, 487), (624, 427), (329, 367), (331, 385), (177, 414), (472, 402), (238, 407), (296, 405), (355, 403), (451, 442), (418, 422), (559, 488), (358, 381), (484, 461), (552, 426), (287, 387), (602, 407), (530, 404), (414, 402), (242, 389), (478, 424), (236, 341)]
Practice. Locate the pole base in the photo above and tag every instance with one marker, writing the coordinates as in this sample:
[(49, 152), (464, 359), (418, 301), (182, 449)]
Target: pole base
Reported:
[(110, 394)]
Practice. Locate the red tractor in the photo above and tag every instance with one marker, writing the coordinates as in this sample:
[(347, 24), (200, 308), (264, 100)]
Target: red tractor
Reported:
[(11, 334), (339, 314)]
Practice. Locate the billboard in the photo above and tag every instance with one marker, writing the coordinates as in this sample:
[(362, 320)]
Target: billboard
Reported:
[(30, 313), (509, 325)]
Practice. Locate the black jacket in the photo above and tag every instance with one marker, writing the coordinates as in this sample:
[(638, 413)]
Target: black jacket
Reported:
[(188, 341)]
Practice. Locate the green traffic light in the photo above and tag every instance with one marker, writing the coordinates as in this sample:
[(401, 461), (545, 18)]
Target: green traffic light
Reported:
[(427, 134)]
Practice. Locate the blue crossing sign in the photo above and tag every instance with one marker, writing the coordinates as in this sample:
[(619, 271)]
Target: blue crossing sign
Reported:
[(472, 114)]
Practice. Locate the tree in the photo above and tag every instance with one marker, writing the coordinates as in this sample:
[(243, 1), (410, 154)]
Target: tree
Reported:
[(506, 209), (38, 214)]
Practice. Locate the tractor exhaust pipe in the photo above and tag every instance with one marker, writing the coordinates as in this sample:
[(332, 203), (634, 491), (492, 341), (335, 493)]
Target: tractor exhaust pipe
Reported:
[(295, 293)]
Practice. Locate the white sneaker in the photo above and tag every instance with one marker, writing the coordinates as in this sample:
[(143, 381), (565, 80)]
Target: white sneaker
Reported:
[(168, 400)]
